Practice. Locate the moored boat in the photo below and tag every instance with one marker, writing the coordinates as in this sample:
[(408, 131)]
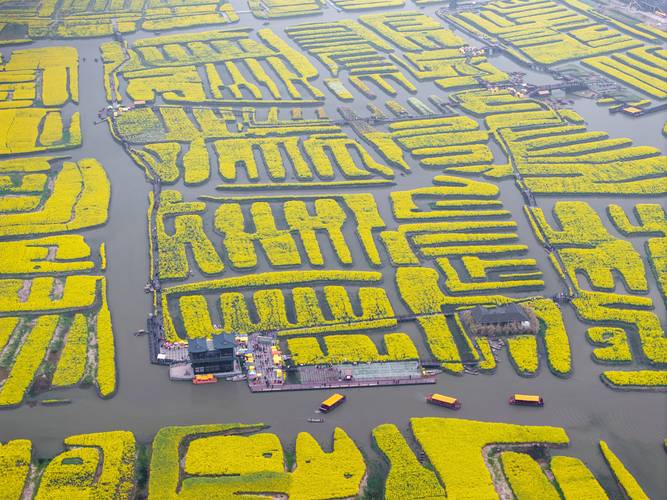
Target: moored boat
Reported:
[(204, 379)]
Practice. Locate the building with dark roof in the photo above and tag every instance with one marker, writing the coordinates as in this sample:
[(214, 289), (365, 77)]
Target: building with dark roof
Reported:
[(505, 319), (509, 313), (212, 356)]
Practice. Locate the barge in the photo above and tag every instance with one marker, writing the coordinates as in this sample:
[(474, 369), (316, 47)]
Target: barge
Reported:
[(526, 400), (332, 402), (446, 401)]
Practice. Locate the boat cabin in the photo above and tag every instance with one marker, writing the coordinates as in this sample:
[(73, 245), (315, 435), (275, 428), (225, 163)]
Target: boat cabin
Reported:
[(446, 401), (526, 400), (332, 402)]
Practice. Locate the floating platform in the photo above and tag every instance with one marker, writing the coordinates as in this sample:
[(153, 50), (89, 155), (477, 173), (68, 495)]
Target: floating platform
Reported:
[(341, 384)]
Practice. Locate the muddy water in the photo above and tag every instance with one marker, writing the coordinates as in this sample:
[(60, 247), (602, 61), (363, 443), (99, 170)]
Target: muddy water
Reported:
[(634, 424)]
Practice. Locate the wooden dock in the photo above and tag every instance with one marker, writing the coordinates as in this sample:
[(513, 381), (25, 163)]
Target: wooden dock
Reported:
[(341, 384)]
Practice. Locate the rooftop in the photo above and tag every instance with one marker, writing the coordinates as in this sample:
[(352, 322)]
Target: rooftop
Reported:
[(201, 344), (508, 313)]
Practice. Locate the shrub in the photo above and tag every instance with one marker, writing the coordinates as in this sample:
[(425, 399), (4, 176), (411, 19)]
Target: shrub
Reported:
[(640, 379), (575, 480), (554, 335), (615, 341), (523, 352), (72, 362), (351, 349), (407, 478), (14, 466), (230, 455), (625, 480), (117, 468), (28, 361), (70, 474), (106, 350), (165, 473), (526, 477), (322, 475), (454, 447)]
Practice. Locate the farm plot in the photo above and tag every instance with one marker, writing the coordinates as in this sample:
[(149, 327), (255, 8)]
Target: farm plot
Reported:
[(312, 237), (354, 5), (99, 465), (45, 301), (39, 77), (642, 68), (265, 153), (458, 225), (555, 153), (171, 68), (85, 19), (552, 152), (272, 9), (626, 329), (226, 460), (55, 320), (368, 52), (257, 465), (432, 52), (546, 32)]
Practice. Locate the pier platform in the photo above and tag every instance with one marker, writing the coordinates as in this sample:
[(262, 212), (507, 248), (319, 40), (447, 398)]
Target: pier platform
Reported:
[(340, 384)]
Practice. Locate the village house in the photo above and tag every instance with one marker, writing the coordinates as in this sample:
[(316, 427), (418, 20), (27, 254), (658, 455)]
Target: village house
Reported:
[(212, 356), (507, 319)]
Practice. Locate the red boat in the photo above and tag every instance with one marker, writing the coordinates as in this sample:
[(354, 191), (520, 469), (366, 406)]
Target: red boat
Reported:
[(204, 379)]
